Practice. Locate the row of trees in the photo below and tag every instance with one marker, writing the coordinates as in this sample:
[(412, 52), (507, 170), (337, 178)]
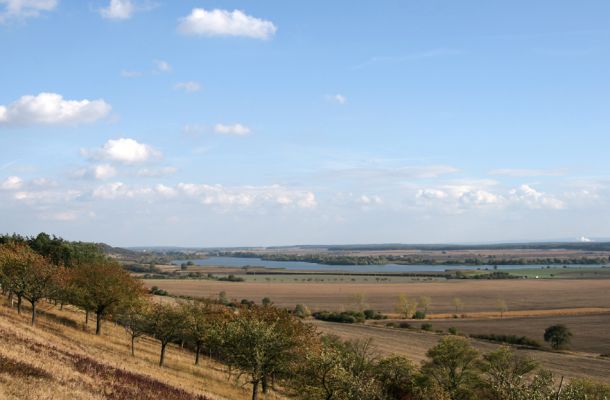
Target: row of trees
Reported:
[(64, 273)]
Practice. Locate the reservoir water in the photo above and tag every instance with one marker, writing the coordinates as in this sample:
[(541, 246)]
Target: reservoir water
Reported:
[(238, 262)]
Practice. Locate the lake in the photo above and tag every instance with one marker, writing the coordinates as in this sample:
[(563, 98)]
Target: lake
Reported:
[(301, 265)]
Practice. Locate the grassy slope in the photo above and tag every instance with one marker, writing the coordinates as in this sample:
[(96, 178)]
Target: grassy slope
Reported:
[(59, 359)]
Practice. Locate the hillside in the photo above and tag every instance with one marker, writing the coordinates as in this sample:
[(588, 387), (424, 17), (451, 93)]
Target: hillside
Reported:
[(61, 359)]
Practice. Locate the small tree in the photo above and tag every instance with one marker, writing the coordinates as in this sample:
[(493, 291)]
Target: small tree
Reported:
[(507, 375), (264, 342), (103, 286), (405, 306), (27, 274), (359, 301), (302, 311), (458, 304), (452, 366), (134, 319), (502, 307), (558, 336), (166, 323), (201, 322), (424, 303)]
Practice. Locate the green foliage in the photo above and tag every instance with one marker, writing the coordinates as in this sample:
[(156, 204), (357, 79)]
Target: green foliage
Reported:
[(452, 365), (558, 336), (510, 339), (346, 317)]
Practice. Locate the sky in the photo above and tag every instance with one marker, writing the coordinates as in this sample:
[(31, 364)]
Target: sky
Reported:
[(245, 123)]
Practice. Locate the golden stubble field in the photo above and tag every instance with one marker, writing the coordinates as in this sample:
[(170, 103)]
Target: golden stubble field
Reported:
[(476, 295)]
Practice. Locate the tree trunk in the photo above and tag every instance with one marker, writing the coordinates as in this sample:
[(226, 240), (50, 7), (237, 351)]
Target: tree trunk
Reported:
[(133, 351), (61, 305), (86, 317), (255, 390), (18, 304), (162, 358), (197, 353), (264, 383), (98, 323), (33, 312)]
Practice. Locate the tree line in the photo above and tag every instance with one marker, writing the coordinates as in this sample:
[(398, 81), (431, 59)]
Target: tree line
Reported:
[(267, 347)]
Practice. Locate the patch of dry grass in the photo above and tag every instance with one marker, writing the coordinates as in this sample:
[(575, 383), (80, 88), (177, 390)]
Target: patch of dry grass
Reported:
[(62, 359)]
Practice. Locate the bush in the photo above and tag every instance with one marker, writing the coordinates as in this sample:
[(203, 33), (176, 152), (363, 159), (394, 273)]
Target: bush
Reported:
[(372, 314), (426, 327), (510, 339), (346, 317), (404, 325), (419, 315), (158, 292), (558, 335), (452, 330)]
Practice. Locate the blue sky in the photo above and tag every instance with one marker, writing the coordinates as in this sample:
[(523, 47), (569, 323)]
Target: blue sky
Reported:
[(272, 122)]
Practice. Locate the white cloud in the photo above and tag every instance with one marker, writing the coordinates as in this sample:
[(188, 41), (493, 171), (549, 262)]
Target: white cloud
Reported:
[(585, 239), (225, 23), (118, 190), (156, 172), (11, 183), (336, 98), (118, 9), (104, 171), (234, 129), (165, 191), (516, 172), (246, 196), (124, 150), (163, 66), (188, 86), (51, 108), (370, 200), (532, 198), (25, 8)]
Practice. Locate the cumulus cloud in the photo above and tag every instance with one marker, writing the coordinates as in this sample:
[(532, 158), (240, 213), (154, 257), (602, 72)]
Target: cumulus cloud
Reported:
[(212, 195), (532, 198), (217, 22), (188, 86), (51, 108), (337, 98), (118, 9), (104, 171), (11, 183), (19, 9), (234, 129), (124, 150), (248, 195)]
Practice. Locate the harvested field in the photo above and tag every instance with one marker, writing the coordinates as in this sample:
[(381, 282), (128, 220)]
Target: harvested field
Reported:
[(477, 295), (414, 344), (590, 331)]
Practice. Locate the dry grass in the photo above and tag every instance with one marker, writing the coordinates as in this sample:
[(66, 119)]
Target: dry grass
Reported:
[(477, 295), (60, 359)]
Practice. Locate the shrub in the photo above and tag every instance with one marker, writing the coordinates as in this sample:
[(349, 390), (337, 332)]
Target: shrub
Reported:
[(372, 314), (346, 317), (404, 325), (419, 315), (452, 330), (510, 339), (426, 326)]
